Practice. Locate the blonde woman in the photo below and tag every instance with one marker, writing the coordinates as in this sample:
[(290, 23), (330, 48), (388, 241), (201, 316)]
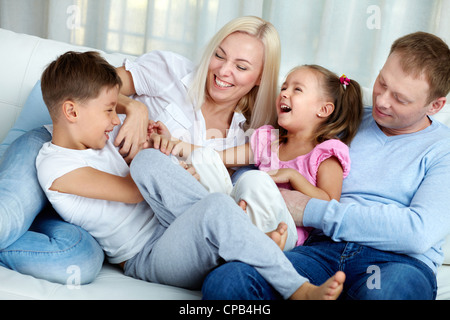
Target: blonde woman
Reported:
[(233, 89)]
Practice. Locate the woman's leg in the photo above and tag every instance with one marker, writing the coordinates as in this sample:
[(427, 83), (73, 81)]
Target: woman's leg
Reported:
[(204, 230), (51, 245), (21, 196), (56, 251)]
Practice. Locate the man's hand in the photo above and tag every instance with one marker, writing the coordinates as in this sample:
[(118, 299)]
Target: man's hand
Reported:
[(296, 204)]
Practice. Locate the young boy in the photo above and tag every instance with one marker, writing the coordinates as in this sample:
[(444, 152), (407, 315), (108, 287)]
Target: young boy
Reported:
[(89, 184), (80, 165)]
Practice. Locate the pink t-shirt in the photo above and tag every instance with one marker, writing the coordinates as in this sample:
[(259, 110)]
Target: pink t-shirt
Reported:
[(266, 159)]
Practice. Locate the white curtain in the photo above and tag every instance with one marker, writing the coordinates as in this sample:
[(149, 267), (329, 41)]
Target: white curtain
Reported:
[(346, 36)]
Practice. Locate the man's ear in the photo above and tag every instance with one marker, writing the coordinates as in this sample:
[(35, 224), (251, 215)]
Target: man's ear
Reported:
[(70, 110), (325, 110), (436, 106)]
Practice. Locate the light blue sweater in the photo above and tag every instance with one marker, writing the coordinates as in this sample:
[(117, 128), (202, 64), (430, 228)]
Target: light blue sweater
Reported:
[(397, 196)]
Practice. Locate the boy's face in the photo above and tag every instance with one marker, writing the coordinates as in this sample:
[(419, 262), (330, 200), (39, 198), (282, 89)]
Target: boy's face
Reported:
[(400, 101), (97, 118)]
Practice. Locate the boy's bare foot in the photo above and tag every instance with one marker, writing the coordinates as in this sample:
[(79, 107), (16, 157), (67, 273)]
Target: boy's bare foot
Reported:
[(279, 235), (330, 290)]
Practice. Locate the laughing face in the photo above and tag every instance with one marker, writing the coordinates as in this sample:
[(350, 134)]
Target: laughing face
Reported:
[(300, 101), (98, 118), (235, 68)]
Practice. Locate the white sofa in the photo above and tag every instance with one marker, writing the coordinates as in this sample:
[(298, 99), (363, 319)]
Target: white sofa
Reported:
[(22, 60)]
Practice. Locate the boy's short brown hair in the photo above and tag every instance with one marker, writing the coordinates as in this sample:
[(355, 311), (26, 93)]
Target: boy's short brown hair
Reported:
[(426, 54), (76, 76)]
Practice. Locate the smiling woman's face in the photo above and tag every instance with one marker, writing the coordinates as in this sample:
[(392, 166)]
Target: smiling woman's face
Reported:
[(235, 68)]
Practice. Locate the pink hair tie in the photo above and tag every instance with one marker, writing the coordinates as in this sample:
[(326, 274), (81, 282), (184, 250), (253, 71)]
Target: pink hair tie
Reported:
[(344, 80)]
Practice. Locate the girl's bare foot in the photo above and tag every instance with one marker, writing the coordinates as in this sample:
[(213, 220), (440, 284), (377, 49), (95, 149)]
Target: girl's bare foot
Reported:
[(330, 290), (279, 235), (243, 205)]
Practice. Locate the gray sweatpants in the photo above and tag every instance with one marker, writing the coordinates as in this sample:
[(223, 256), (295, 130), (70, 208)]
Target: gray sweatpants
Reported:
[(198, 231), (266, 207)]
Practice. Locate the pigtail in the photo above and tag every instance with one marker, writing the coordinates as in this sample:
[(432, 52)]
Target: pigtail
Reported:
[(344, 122), (351, 110)]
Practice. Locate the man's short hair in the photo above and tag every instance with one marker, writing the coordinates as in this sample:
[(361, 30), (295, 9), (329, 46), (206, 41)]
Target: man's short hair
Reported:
[(424, 54)]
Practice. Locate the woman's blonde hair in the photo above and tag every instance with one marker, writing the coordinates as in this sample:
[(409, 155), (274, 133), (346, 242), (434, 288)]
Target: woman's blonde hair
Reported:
[(258, 105)]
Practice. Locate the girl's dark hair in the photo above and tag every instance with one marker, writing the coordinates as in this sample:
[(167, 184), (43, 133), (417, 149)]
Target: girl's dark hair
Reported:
[(343, 123)]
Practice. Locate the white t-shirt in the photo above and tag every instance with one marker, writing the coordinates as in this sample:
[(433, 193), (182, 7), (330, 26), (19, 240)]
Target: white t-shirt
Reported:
[(162, 80), (121, 229)]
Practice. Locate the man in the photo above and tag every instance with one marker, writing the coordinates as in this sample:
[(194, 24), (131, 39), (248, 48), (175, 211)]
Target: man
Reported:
[(386, 232)]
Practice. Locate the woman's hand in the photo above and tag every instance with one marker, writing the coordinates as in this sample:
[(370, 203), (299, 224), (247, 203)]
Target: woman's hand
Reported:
[(132, 136)]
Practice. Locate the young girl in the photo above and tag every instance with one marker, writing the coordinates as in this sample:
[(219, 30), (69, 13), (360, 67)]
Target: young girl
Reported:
[(318, 116)]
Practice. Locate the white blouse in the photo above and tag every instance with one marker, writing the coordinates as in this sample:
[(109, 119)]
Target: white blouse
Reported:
[(162, 80)]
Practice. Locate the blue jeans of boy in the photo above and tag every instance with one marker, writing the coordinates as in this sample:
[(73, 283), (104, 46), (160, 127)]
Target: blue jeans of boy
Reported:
[(33, 239), (370, 274)]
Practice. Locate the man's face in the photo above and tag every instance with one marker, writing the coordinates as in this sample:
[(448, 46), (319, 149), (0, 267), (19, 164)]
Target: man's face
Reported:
[(400, 103)]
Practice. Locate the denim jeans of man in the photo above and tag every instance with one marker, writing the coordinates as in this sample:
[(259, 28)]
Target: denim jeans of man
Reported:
[(370, 274), (33, 239)]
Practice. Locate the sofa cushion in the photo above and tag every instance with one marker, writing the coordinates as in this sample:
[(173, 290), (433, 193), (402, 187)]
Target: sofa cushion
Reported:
[(34, 114), (110, 284)]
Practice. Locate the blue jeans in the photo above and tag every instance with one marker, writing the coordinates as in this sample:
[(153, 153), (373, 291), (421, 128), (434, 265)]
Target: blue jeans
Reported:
[(45, 247), (370, 274)]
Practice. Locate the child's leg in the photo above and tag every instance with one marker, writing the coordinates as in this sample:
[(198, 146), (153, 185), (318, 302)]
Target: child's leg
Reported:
[(265, 205), (214, 176), (202, 230), (167, 187), (213, 230)]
